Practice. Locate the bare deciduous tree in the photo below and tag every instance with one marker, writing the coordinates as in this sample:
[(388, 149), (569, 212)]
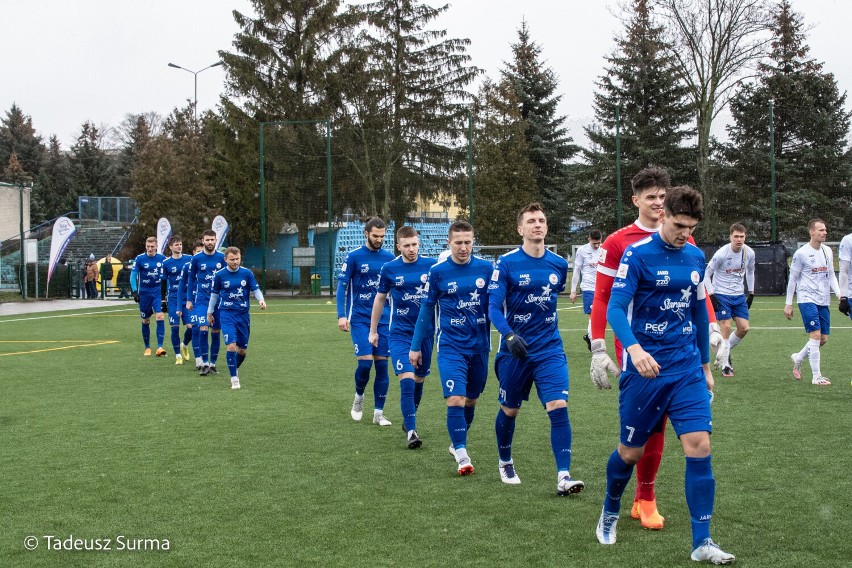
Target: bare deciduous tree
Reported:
[(715, 43)]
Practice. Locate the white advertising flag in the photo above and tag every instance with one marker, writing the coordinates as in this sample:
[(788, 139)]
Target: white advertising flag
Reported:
[(164, 233), (220, 225), (63, 231)]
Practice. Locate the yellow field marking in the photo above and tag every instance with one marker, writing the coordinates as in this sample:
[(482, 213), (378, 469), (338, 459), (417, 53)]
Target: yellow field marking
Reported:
[(98, 344)]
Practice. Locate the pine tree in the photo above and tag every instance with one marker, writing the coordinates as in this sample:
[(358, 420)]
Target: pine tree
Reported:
[(550, 146), (504, 178), (810, 127), (92, 169), (133, 133), (171, 179), (404, 108), (52, 190), (17, 136), (642, 86)]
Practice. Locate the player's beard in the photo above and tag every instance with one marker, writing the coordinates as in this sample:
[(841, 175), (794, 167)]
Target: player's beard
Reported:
[(373, 245)]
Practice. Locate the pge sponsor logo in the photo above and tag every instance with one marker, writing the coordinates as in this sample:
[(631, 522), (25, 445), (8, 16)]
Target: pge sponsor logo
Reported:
[(402, 311), (521, 318), (458, 321), (656, 328), (367, 296)]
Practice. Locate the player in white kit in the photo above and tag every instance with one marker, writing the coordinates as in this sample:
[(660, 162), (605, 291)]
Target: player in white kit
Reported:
[(812, 279), (724, 284), (585, 273)]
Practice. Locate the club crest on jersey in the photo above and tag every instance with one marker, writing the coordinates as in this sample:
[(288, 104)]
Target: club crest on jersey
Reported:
[(553, 279), (524, 279), (424, 277), (480, 282), (695, 277), (242, 282)]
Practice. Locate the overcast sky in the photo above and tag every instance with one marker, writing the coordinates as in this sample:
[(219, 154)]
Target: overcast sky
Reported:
[(65, 62)]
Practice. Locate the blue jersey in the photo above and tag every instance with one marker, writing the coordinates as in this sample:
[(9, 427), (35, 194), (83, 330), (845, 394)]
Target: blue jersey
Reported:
[(460, 291), (405, 284), (234, 289), (357, 284), (659, 292), (201, 269), (173, 269), (183, 294), (150, 272), (522, 298)]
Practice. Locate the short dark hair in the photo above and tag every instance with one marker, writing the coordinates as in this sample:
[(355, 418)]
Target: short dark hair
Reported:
[(813, 222), (175, 239), (208, 233), (531, 208), (232, 250), (683, 200), (460, 226), (737, 228), (595, 235), (197, 244), (406, 232), (374, 223), (653, 176)]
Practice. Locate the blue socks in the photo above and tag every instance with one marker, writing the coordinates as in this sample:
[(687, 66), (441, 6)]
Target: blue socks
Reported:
[(146, 335), (381, 384), (505, 428), (161, 332), (700, 487), (231, 358), (617, 476), (456, 426), (214, 346), (196, 343), (203, 346), (560, 438), (187, 335), (240, 358), (176, 339), (418, 394), (469, 411), (362, 375), (406, 404)]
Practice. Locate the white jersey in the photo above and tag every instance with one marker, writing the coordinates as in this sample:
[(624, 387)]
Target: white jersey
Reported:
[(585, 265), (845, 255), (812, 276), (726, 270)]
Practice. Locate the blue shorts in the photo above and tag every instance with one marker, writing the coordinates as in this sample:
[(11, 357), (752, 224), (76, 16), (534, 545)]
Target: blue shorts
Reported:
[(642, 404), (199, 312), (732, 307), (150, 302), (360, 333), (235, 328), (588, 300), (549, 372), (174, 319), (463, 374), (815, 318), (399, 348)]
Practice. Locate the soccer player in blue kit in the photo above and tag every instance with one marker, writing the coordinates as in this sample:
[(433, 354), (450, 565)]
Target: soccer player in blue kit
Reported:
[(201, 269), (356, 287), (522, 305), (458, 286), (404, 280), (189, 318), (173, 268), (232, 286), (146, 284), (658, 311)]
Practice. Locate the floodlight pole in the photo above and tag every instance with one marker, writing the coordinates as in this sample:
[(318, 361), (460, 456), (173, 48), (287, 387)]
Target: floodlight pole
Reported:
[(195, 81)]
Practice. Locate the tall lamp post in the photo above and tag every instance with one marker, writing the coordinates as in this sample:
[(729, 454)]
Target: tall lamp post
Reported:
[(195, 79)]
